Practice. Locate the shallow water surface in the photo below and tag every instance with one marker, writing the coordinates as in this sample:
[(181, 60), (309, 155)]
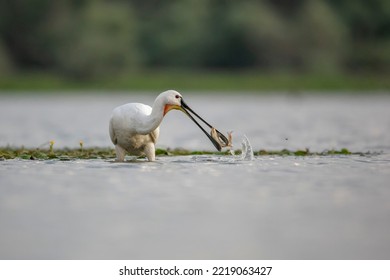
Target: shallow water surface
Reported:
[(197, 207), (205, 207)]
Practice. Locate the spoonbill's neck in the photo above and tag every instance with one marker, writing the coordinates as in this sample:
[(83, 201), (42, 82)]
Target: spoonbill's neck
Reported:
[(152, 121)]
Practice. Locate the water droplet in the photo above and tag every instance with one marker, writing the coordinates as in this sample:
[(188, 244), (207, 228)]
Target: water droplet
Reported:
[(247, 151)]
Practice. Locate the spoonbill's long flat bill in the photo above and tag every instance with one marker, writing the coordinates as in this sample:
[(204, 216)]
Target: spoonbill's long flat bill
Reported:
[(134, 127)]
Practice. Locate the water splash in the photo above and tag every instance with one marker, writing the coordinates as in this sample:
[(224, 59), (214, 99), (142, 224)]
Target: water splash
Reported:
[(247, 151)]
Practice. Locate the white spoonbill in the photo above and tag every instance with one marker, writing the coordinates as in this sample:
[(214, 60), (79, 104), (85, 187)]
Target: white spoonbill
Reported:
[(134, 127)]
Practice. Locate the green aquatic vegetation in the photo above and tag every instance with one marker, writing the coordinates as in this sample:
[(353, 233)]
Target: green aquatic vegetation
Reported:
[(81, 145), (59, 154), (109, 153), (51, 146), (307, 152), (183, 152)]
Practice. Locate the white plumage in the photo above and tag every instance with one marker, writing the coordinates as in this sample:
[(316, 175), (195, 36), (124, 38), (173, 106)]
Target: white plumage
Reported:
[(134, 127)]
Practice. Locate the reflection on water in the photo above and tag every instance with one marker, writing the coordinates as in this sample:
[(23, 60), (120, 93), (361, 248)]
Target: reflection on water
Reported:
[(203, 207)]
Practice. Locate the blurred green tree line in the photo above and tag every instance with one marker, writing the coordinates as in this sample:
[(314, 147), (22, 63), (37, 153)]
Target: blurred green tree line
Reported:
[(91, 38)]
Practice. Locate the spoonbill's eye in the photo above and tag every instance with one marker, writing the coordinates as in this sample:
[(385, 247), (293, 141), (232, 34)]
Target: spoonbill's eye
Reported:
[(177, 96)]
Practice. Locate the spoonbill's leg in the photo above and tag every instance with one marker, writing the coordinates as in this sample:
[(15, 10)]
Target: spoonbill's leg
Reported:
[(150, 152), (120, 153)]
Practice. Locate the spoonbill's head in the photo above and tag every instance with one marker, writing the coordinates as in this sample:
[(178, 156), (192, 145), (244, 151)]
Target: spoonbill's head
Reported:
[(171, 99), (174, 100)]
